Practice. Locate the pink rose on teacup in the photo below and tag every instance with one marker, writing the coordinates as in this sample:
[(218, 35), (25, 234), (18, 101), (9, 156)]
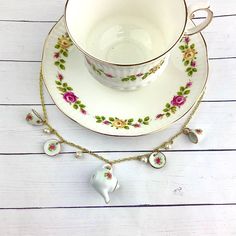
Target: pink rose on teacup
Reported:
[(178, 101), (70, 97)]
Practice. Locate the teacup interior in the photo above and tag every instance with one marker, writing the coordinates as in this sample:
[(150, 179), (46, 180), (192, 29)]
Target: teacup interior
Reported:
[(125, 32)]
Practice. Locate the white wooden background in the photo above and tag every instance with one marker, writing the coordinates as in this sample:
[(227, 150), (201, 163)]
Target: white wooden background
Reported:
[(194, 195)]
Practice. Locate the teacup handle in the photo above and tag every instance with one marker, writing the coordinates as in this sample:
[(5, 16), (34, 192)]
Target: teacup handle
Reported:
[(199, 7)]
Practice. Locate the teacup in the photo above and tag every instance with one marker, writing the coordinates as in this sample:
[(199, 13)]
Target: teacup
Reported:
[(127, 44)]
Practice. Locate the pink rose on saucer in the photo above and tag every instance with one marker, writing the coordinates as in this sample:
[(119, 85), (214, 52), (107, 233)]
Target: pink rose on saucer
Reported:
[(70, 97), (178, 101)]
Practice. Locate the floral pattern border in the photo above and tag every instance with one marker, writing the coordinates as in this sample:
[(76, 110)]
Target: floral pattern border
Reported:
[(63, 44), (179, 99), (189, 56), (143, 76)]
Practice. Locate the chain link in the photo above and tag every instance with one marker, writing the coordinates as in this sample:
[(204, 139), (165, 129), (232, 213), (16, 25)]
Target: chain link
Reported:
[(112, 162)]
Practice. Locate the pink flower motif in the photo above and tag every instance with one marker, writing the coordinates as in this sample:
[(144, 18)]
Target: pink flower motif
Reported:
[(70, 97), (178, 101), (109, 75), (106, 122), (199, 131), (160, 116), (52, 147), (83, 111), (29, 117), (60, 77), (186, 40), (140, 74), (137, 125), (108, 175), (189, 84), (193, 63), (56, 55), (158, 161)]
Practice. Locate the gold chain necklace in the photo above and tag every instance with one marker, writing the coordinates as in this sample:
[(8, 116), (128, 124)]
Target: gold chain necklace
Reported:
[(108, 183)]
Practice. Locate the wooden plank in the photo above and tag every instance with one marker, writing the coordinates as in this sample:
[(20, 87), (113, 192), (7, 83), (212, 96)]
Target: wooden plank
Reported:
[(45, 10), (22, 79), (24, 41), (189, 221), (217, 119), (188, 178)]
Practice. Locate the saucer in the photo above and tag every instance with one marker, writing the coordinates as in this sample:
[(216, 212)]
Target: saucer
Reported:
[(104, 110)]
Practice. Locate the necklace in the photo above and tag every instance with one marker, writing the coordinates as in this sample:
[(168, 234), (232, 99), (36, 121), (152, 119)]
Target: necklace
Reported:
[(103, 179)]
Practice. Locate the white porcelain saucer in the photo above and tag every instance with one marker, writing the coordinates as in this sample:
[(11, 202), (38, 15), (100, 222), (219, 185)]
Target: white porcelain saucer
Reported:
[(101, 109)]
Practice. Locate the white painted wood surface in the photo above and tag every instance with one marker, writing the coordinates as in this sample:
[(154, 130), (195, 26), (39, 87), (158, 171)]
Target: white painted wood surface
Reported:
[(194, 195)]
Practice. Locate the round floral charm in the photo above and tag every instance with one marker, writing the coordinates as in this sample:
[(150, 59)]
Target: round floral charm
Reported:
[(52, 147), (157, 160)]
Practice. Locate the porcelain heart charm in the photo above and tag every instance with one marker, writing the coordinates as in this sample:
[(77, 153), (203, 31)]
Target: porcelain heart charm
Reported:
[(104, 181)]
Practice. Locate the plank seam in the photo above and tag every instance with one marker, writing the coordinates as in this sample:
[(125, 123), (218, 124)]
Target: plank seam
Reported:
[(120, 206), (127, 151)]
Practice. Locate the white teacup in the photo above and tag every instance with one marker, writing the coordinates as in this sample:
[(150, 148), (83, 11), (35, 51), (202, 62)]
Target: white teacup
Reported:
[(127, 43)]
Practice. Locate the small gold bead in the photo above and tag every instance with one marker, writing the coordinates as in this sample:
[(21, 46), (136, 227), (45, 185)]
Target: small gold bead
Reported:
[(144, 159), (186, 131), (78, 154), (168, 146), (47, 131)]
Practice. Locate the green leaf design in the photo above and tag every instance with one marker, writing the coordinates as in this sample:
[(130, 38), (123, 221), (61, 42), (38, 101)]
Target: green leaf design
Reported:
[(190, 73), (186, 63), (98, 117), (61, 89), (75, 106), (194, 69), (147, 118), (168, 114), (140, 120), (62, 61), (69, 88), (57, 46), (62, 67), (111, 119), (82, 106), (133, 78), (99, 121), (181, 47), (180, 93), (168, 105), (126, 127), (166, 110), (192, 46), (65, 54), (131, 120), (182, 88), (65, 85), (145, 76), (173, 110), (57, 63), (187, 92), (58, 82)]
